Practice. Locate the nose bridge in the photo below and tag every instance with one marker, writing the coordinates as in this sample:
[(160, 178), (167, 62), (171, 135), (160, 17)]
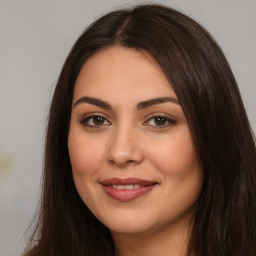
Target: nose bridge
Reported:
[(124, 145)]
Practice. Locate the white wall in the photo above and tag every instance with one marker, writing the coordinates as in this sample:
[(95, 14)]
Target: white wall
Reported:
[(35, 37)]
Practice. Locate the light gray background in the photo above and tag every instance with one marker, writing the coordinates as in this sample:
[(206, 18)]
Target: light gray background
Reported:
[(35, 37)]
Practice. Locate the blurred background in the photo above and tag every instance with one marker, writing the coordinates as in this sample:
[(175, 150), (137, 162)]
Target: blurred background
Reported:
[(35, 38)]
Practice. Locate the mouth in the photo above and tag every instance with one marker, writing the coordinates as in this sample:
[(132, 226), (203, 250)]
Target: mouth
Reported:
[(130, 186), (127, 189)]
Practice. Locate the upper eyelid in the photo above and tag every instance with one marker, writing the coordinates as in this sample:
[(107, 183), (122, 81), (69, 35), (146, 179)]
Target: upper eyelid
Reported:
[(147, 118), (92, 114), (160, 114), (171, 121)]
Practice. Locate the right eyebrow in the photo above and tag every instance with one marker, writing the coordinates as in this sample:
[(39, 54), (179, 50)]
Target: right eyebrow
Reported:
[(93, 101)]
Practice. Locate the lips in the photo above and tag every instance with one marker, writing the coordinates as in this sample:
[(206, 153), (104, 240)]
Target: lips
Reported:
[(127, 189)]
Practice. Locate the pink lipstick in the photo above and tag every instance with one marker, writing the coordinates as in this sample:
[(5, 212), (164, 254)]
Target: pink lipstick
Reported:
[(127, 189)]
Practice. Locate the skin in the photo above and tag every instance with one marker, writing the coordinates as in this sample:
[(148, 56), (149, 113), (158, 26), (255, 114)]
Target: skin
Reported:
[(129, 142)]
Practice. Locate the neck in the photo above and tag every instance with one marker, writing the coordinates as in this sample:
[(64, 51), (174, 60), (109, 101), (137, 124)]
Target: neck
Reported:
[(165, 241)]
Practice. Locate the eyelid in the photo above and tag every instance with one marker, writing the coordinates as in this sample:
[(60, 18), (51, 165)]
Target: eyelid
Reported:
[(161, 114), (88, 116), (171, 121), (92, 114)]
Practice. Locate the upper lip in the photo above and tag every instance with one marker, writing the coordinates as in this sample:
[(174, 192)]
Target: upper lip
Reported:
[(127, 181)]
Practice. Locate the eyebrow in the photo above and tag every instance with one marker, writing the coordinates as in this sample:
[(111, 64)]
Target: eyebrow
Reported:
[(151, 102), (93, 101), (140, 105)]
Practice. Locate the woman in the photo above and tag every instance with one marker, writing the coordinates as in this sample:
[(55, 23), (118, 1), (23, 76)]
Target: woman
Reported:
[(148, 150)]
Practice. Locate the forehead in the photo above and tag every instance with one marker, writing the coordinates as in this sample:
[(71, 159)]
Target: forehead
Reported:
[(122, 72)]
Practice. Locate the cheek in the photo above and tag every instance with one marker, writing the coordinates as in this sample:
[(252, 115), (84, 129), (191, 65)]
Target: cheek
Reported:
[(85, 154), (86, 160), (174, 155), (181, 172)]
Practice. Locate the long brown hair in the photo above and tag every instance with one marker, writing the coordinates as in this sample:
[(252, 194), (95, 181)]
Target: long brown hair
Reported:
[(225, 219)]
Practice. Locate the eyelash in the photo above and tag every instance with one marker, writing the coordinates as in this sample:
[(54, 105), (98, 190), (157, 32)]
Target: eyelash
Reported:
[(85, 121), (167, 120)]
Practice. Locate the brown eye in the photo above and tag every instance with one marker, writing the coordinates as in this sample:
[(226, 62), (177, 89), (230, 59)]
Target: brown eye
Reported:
[(94, 120), (98, 120), (160, 120)]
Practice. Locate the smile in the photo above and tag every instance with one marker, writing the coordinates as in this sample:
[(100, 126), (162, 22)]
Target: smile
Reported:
[(127, 189), (131, 186)]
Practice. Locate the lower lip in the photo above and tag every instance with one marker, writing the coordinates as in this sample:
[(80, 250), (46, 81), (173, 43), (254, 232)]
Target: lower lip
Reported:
[(127, 194)]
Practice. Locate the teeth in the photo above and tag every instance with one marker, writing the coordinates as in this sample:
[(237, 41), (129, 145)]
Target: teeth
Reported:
[(118, 186), (130, 186)]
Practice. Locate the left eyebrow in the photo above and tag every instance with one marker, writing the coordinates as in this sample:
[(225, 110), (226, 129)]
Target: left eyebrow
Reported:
[(151, 102)]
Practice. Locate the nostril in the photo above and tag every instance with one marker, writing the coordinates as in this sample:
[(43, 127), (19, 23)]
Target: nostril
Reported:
[(123, 151), (122, 163)]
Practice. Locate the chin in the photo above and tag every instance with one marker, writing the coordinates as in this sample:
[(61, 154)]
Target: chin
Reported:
[(128, 229), (131, 225)]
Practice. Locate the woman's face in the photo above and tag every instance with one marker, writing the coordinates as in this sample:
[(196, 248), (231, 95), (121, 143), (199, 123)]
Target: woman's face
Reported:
[(133, 159)]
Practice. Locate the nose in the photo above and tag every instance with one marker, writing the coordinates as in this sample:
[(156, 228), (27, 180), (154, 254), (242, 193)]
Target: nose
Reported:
[(125, 148)]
